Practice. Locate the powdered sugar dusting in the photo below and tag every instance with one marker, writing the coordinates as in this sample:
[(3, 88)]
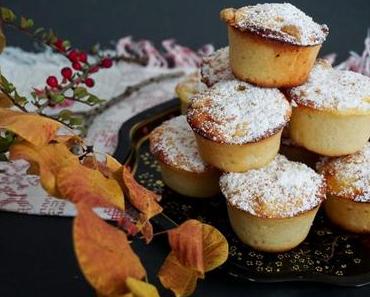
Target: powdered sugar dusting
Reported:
[(174, 143), (281, 21), (353, 171), (237, 112), (281, 189), (328, 88), (216, 67)]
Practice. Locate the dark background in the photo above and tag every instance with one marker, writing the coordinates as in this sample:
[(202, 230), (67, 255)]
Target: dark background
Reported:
[(192, 22), (36, 253)]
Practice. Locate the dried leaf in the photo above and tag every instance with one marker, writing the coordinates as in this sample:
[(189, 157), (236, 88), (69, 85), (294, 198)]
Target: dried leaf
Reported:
[(34, 128), (176, 277), (4, 99), (113, 164), (141, 198), (186, 242), (104, 254), (141, 289), (46, 161), (79, 183), (196, 248), (144, 201), (215, 248)]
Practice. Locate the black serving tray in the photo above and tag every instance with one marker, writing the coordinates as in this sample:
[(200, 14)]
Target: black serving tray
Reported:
[(328, 255)]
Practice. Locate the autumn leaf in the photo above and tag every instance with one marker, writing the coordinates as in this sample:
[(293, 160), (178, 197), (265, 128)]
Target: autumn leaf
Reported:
[(104, 254), (45, 161), (178, 278), (34, 128), (186, 242), (141, 198), (139, 288), (112, 164), (4, 99), (196, 249), (144, 201), (79, 183)]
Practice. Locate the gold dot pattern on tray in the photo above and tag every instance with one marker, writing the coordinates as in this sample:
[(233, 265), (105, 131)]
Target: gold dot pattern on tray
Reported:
[(325, 251)]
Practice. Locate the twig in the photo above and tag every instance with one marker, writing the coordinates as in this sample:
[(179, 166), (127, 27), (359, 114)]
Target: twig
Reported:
[(90, 115)]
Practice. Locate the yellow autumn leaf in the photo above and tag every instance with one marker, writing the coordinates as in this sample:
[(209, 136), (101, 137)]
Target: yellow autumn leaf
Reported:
[(181, 280), (34, 128), (196, 249), (104, 254), (79, 183), (141, 289), (45, 161)]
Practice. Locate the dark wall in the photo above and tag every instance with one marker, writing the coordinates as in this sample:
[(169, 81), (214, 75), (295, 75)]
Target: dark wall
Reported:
[(191, 22)]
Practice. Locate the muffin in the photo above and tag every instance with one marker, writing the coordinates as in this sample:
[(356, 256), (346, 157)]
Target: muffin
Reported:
[(173, 145), (272, 45), (216, 67), (188, 87), (348, 190), (272, 208), (237, 125), (332, 112)]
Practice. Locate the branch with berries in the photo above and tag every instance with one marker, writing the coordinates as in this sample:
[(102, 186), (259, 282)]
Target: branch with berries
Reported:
[(76, 78)]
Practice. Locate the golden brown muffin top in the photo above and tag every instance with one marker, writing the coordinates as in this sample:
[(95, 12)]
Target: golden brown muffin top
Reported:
[(282, 189), (174, 144), (216, 67), (279, 21), (236, 112), (334, 90), (349, 176)]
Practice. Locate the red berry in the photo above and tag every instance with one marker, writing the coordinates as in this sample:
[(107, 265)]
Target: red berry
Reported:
[(83, 57), (52, 81), (94, 69), (76, 66), (59, 45), (89, 82), (73, 56), (106, 63), (67, 73)]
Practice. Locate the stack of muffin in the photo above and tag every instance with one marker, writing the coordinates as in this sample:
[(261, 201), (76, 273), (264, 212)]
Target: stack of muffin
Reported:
[(237, 109)]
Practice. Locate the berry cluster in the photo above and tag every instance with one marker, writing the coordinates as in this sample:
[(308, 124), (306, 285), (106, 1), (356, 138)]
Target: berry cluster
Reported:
[(81, 66)]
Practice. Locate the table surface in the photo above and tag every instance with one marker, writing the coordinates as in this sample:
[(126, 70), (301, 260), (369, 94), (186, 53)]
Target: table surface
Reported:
[(37, 259)]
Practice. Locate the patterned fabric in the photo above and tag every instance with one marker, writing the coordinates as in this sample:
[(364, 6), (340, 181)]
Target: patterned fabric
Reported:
[(20, 192)]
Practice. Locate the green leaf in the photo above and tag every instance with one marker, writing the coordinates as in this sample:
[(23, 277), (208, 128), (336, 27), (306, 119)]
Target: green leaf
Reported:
[(5, 141), (80, 92), (38, 30), (21, 100), (65, 114), (26, 23), (57, 98), (66, 44), (75, 121), (7, 15)]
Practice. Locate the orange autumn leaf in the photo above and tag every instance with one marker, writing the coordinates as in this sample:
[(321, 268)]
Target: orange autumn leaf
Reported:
[(176, 277), (34, 128), (186, 242), (5, 101), (196, 249), (45, 161), (79, 183), (104, 254), (112, 164), (141, 198)]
